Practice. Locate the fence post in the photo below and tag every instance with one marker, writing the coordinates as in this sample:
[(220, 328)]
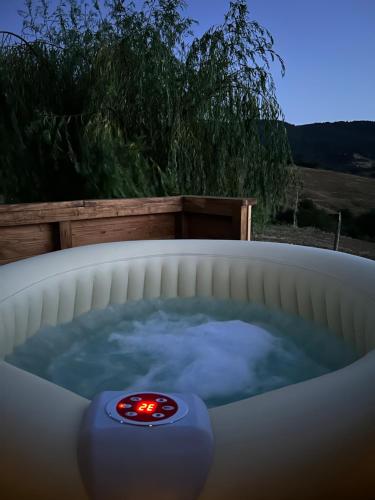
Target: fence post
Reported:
[(295, 209), (249, 224), (65, 230), (338, 231)]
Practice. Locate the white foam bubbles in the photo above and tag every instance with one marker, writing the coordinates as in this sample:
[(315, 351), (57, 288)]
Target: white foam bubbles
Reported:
[(221, 350), (213, 359)]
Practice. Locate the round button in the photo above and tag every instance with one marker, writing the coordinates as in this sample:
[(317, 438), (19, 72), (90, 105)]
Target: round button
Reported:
[(131, 414), (161, 400), (122, 406), (135, 398), (168, 408), (158, 415)]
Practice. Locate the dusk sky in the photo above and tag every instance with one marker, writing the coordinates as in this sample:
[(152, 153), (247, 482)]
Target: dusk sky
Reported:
[(327, 45)]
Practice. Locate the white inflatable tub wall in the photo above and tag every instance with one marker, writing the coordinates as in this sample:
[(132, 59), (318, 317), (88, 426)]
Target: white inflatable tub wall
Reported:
[(311, 440)]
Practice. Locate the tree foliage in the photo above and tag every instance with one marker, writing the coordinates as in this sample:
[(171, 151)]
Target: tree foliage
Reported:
[(116, 102)]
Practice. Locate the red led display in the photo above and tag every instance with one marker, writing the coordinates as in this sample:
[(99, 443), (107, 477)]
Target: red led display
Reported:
[(146, 407)]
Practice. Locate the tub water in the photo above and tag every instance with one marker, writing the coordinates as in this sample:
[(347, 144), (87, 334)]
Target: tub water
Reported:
[(221, 350)]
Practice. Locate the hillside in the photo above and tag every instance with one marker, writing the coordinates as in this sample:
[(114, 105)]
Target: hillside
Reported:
[(336, 191), (341, 146), (310, 236), (330, 191)]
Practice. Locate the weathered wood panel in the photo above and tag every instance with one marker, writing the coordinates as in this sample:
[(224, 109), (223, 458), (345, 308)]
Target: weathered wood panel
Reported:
[(237, 209), (240, 223), (181, 230), (65, 231), (24, 207), (36, 228), (206, 226), (136, 227), (92, 209), (19, 242), (214, 206)]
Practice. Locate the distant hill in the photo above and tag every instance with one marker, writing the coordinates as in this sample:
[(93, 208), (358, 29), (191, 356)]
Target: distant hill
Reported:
[(324, 193), (336, 191), (347, 147)]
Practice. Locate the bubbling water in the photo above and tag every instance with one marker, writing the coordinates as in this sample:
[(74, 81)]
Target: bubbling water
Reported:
[(221, 350)]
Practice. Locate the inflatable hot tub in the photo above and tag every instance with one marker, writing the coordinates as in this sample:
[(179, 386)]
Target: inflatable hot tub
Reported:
[(310, 440)]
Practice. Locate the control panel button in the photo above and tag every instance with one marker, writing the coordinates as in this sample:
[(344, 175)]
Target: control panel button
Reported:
[(168, 408), (158, 415), (125, 405)]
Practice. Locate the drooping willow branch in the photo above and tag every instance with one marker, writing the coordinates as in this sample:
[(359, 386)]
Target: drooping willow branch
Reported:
[(134, 105)]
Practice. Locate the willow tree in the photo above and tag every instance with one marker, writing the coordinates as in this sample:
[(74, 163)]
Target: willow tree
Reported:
[(117, 102)]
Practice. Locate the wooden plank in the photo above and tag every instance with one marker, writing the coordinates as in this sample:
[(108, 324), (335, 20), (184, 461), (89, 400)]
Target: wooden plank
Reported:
[(242, 201), (138, 227), (202, 207), (65, 231), (28, 217), (56, 205), (88, 212), (207, 226), (184, 226), (239, 223), (91, 209), (20, 242), (180, 226), (214, 206), (20, 207), (33, 229), (248, 233), (134, 202)]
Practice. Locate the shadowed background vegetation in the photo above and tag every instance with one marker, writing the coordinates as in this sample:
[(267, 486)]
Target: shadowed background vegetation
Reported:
[(347, 147), (106, 101)]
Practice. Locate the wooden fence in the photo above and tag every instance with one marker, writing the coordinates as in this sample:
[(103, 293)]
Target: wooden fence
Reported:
[(36, 228)]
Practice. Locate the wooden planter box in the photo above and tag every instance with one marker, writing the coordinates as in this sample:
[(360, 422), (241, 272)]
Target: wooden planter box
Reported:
[(35, 228)]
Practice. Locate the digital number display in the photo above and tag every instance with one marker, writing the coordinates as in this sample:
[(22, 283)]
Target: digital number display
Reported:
[(146, 407)]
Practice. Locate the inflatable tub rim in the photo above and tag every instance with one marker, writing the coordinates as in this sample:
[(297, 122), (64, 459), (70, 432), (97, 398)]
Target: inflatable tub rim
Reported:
[(290, 419)]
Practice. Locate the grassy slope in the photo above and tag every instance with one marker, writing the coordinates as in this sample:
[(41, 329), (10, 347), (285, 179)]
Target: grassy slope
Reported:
[(336, 191), (333, 191), (310, 236)]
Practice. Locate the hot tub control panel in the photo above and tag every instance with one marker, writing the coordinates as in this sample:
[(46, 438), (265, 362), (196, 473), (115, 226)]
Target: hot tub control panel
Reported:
[(146, 408), (135, 445)]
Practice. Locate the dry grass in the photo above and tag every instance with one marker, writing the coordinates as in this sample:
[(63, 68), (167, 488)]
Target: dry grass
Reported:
[(335, 191), (332, 191), (310, 236)]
